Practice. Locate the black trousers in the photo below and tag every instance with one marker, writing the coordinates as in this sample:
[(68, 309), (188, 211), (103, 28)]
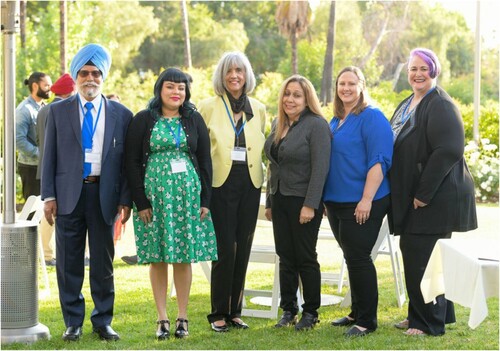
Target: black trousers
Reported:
[(296, 247), (356, 242), (430, 317), (31, 185), (71, 231), (234, 208)]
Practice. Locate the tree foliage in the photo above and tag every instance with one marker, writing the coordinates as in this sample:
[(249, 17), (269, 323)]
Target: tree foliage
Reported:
[(145, 37)]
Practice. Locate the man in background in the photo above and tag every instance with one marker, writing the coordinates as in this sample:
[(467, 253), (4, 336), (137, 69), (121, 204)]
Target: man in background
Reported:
[(26, 121)]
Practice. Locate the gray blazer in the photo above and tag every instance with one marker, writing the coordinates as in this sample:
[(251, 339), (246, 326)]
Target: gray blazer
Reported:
[(303, 162)]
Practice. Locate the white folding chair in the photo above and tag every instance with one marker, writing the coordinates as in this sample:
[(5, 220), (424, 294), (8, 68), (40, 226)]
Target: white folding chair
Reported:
[(34, 207)]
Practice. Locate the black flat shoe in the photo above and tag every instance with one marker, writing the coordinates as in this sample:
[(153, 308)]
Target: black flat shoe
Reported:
[(355, 332), (287, 319), (343, 322), (107, 333), (219, 329), (164, 331), (404, 324), (238, 325), (181, 331), (72, 334), (308, 321)]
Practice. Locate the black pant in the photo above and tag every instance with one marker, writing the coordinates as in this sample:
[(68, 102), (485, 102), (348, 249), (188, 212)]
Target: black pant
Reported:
[(71, 231), (31, 185), (416, 250), (296, 247), (234, 208), (356, 242)]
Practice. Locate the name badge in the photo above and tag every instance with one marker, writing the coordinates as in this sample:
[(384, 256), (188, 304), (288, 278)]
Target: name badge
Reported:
[(92, 157), (238, 154), (178, 166)]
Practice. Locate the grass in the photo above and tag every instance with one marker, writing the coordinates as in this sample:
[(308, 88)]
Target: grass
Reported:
[(135, 315)]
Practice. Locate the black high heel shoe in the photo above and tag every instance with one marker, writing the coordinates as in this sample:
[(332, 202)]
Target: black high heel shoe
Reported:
[(164, 331), (181, 331)]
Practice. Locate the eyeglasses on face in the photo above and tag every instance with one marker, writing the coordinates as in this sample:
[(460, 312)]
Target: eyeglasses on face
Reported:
[(84, 73)]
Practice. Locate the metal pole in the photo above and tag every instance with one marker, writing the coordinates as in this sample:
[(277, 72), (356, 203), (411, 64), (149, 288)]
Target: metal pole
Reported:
[(10, 25), (477, 75)]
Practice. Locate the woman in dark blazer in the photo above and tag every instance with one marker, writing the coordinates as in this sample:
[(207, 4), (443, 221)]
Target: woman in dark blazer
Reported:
[(432, 190), (298, 150)]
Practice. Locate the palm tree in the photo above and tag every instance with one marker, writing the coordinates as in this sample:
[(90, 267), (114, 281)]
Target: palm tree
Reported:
[(326, 95), (187, 44), (293, 17)]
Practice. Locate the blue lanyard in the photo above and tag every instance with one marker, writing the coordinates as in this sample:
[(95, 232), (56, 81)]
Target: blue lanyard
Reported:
[(404, 117), (237, 132), (92, 132), (177, 137)]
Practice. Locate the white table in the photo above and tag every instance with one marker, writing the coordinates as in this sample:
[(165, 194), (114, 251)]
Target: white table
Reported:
[(466, 271)]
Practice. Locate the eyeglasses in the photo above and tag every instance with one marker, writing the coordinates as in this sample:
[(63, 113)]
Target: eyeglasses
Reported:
[(95, 74)]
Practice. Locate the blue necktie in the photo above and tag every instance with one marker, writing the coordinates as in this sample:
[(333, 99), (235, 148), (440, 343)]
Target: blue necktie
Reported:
[(87, 127)]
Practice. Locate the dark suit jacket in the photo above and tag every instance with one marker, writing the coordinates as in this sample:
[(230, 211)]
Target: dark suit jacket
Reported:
[(41, 120), (62, 165), (428, 163)]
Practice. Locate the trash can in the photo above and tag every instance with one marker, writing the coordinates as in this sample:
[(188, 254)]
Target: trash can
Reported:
[(19, 283)]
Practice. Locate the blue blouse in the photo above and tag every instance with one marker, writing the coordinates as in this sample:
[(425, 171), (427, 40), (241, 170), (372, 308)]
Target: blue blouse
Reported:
[(358, 144)]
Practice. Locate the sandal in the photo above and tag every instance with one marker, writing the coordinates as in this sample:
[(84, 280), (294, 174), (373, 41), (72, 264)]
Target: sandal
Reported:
[(404, 324), (181, 331), (164, 331), (415, 332)]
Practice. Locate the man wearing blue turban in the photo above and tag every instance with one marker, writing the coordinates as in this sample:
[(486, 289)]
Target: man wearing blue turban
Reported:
[(84, 189)]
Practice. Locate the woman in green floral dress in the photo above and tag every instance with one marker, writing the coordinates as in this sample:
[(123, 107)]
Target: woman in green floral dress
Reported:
[(169, 171)]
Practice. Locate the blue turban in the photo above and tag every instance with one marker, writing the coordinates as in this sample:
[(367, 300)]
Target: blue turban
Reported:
[(95, 53)]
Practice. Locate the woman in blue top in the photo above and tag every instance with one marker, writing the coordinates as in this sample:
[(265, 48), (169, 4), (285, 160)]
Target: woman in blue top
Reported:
[(356, 193)]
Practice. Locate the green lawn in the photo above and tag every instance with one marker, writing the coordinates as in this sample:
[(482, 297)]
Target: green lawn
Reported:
[(135, 315)]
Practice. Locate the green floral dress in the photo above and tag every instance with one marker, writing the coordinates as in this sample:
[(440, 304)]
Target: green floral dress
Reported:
[(176, 234)]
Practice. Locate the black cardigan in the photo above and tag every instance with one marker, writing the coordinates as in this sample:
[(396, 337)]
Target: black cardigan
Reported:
[(137, 154), (428, 163)]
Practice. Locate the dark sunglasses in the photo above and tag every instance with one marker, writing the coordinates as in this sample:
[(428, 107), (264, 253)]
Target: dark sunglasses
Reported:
[(95, 74)]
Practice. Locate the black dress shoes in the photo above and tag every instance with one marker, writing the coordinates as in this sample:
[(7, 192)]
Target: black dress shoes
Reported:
[(239, 325), (356, 332), (72, 334), (287, 319), (219, 329), (106, 333), (132, 260), (308, 321), (343, 322)]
